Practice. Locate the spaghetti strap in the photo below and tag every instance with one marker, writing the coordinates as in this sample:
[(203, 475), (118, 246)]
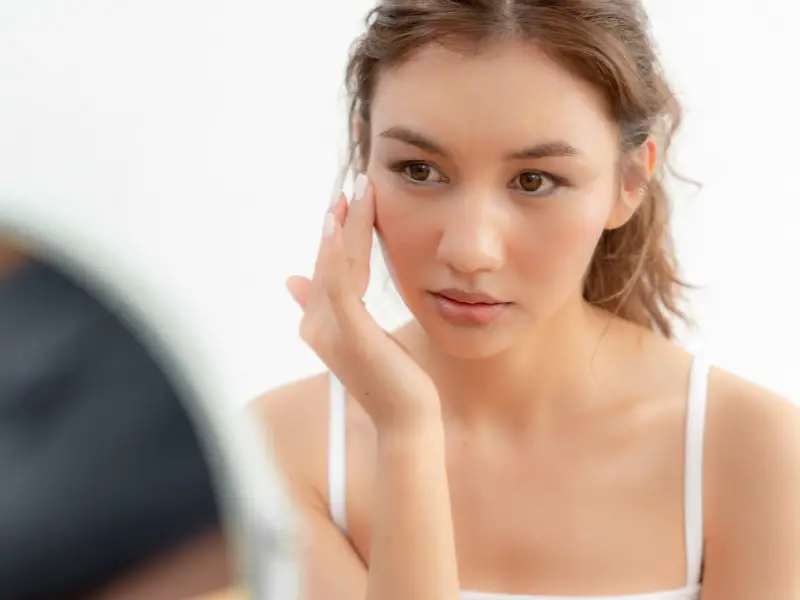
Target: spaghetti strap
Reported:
[(693, 476)]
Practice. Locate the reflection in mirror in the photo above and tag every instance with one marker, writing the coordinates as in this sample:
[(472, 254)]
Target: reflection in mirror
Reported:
[(106, 491)]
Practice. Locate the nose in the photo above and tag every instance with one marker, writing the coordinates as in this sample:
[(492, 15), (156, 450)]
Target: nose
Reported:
[(472, 239)]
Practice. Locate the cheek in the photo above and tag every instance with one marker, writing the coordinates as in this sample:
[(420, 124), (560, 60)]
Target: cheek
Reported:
[(560, 247), (402, 229)]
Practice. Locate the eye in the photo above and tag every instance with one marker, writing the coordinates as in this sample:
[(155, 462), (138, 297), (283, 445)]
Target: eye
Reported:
[(418, 172), (531, 182), (534, 182)]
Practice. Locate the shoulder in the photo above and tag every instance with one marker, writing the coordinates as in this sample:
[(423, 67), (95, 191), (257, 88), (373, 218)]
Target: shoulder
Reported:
[(752, 457), (750, 427), (294, 417)]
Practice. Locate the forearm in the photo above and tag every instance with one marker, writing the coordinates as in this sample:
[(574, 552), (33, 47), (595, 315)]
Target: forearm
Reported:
[(413, 549)]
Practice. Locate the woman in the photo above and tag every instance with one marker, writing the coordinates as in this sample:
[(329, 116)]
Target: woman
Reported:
[(534, 429)]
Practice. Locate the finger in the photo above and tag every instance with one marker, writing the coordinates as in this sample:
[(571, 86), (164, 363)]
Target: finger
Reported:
[(303, 289), (336, 278), (356, 327), (358, 230), (331, 272), (299, 288), (339, 210)]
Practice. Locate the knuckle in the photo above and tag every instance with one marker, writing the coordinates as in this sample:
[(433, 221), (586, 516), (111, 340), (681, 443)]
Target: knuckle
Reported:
[(352, 262), (335, 293)]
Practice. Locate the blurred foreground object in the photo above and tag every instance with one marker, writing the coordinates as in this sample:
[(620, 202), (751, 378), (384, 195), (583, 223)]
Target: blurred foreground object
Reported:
[(103, 476)]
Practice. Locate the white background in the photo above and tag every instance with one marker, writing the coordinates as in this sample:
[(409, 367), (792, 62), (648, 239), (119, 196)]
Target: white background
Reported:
[(189, 149)]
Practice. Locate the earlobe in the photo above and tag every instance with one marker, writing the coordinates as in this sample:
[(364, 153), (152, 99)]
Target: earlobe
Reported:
[(625, 207)]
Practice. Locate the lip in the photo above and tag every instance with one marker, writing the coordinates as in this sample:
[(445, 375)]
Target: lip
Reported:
[(468, 297), (473, 310)]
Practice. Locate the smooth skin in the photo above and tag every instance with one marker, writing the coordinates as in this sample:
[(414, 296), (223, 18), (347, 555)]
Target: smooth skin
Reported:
[(544, 450)]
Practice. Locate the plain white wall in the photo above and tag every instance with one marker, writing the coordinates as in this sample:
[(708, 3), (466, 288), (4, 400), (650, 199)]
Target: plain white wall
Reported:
[(191, 147)]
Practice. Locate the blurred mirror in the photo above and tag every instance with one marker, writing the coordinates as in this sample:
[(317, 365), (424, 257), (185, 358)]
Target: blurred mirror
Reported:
[(106, 489), (114, 483), (127, 469)]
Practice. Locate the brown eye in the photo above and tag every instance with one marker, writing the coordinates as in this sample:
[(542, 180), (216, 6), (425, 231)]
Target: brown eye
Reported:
[(531, 182), (419, 172)]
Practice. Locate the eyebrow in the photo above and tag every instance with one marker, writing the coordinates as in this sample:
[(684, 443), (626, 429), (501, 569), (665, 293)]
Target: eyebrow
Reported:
[(552, 149)]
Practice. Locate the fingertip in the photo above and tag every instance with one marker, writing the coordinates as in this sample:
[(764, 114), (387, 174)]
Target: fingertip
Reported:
[(363, 198), (361, 187), (329, 225), (369, 199), (298, 289), (339, 207), (331, 238)]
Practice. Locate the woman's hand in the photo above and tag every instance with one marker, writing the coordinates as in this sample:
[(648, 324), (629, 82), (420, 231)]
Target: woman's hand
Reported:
[(393, 389)]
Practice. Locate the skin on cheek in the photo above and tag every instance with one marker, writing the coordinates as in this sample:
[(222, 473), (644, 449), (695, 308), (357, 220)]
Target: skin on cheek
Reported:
[(385, 198), (560, 249), (397, 214), (384, 206), (392, 226)]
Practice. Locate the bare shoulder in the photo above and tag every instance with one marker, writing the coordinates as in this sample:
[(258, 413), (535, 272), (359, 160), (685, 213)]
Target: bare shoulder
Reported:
[(752, 459), (752, 433), (298, 404), (294, 417)]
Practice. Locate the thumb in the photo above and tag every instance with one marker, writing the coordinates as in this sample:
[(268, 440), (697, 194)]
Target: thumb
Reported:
[(299, 288)]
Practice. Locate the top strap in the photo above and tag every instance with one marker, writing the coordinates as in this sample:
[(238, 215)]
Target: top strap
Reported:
[(693, 482)]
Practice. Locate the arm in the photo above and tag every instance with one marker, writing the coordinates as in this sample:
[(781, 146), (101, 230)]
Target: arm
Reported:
[(412, 551), (753, 548)]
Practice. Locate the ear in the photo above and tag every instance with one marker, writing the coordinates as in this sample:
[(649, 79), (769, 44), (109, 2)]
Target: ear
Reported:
[(633, 187), (358, 124), (357, 131)]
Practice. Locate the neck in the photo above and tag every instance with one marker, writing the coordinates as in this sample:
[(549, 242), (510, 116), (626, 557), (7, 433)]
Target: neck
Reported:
[(550, 372)]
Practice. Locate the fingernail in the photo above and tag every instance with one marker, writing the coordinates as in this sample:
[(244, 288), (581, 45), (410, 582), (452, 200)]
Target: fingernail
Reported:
[(336, 199), (360, 186), (327, 226)]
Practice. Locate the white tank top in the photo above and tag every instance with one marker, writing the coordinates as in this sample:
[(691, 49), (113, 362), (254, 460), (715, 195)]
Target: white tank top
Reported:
[(693, 490)]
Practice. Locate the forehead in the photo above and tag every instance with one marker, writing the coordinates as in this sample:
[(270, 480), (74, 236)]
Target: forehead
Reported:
[(509, 95)]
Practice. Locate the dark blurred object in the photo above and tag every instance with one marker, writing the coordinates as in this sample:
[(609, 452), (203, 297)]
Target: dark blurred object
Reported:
[(103, 483)]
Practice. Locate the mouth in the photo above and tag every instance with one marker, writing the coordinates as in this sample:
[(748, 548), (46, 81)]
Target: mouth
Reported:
[(469, 298), (468, 309)]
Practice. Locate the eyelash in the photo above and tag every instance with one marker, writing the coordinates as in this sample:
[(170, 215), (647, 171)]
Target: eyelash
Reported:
[(400, 167)]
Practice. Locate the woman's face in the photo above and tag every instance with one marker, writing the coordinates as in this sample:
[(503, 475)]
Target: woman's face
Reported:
[(495, 174)]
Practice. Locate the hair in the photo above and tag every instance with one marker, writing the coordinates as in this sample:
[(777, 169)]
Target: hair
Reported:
[(633, 272)]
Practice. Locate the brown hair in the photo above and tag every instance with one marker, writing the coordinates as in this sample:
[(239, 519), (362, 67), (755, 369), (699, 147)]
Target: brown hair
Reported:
[(633, 272)]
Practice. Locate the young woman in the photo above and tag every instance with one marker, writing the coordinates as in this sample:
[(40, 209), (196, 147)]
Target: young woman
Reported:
[(534, 432)]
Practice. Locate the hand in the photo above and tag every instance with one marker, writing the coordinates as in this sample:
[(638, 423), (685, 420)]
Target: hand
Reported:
[(377, 371)]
